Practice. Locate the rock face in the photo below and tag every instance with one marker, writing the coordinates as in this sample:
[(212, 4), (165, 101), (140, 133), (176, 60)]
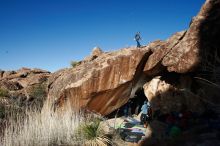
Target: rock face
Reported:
[(168, 98), (104, 82), (96, 51), (24, 85), (160, 50), (194, 52), (199, 45)]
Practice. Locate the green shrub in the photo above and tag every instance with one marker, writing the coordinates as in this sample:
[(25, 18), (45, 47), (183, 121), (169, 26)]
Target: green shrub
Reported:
[(3, 92), (93, 134), (89, 129), (36, 96), (74, 63), (38, 91)]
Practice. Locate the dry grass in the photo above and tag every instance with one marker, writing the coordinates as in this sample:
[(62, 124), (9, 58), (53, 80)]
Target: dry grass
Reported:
[(45, 128), (49, 128)]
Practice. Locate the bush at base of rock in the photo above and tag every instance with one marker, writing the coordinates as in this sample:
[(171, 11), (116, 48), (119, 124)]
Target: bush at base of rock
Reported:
[(3, 93), (38, 91)]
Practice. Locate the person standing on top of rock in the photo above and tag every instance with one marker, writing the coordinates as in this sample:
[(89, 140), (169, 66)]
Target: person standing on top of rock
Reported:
[(137, 38)]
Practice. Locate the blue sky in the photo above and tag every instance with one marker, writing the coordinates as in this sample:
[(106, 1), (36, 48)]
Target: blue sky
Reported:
[(48, 34)]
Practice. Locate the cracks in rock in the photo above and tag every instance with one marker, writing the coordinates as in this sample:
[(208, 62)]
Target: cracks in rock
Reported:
[(208, 82), (179, 40), (52, 82), (140, 78)]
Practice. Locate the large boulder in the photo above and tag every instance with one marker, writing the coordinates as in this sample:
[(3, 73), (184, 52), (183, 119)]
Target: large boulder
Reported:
[(169, 98), (160, 50), (195, 51), (198, 48), (103, 84), (200, 43)]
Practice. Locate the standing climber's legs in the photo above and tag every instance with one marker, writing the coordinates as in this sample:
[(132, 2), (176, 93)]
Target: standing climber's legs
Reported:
[(143, 119), (138, 44)]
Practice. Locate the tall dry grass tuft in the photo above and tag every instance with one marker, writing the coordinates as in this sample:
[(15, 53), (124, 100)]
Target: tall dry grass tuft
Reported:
[(45, 128)]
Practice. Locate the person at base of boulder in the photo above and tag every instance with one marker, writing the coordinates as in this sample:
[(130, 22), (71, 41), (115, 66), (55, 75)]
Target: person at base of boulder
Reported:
[(149, 112), (144, 115), (137, 38), (127, 109)]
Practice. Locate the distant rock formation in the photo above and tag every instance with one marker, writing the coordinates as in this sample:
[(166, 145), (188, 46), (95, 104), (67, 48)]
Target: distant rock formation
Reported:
[(24, 85), (106, 82)]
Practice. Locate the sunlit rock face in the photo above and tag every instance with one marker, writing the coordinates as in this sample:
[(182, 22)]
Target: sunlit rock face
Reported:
[(160, 50), (106, 82), (169, 98), (197, 47), (200, 43), (202, 39), (102, 84)]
